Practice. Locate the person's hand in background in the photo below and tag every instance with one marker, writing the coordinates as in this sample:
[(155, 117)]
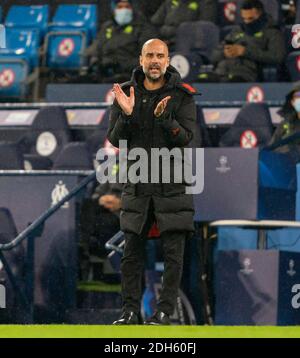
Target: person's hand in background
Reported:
[(110, 202)]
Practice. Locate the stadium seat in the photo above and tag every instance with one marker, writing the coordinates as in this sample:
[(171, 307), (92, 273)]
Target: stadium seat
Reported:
[(15, 259), (32, 17), (270, 73), (72, 30), (205, 139), (198, 37), (11, 157), (251, 128), (13, 78), (19, 63), (80, 17), (48, 134), (22, 44), (35, 162), (188, 65), (97, 139), (74, 156), (293, 65)]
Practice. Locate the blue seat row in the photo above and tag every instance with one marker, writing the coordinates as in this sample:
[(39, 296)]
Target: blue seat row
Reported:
[(65, 39)]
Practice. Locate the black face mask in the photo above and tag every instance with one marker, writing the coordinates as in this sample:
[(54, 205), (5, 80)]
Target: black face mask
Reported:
[(255, 26)]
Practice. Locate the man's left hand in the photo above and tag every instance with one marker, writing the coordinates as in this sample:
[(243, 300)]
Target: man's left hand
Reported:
[(160, 108)]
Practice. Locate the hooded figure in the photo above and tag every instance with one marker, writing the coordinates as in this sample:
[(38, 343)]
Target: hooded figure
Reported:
[(153, 110), (173, 208)]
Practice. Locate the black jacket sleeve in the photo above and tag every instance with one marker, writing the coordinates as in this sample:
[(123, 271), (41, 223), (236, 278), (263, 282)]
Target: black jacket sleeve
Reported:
[(275, 52), (119, 125), (279, 133), (179, 126)]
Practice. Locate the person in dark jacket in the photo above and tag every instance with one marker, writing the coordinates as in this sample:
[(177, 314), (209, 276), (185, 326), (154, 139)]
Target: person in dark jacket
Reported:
[(153, 110), (247, 48), (99, 221), (114, 50), (290, 112), (172, 13), (148, 8)]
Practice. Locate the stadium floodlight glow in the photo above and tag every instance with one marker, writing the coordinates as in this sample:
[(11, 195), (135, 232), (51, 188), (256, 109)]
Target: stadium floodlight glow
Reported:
[(2, 36)]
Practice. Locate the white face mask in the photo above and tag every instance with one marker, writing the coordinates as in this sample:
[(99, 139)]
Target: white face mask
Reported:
[(123, 16), (296, 105)]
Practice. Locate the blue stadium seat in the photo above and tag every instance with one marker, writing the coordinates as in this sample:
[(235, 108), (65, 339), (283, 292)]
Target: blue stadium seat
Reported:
[(251, 128), (13, 78), (11, 157), (293, 65), (74, 156), (18, 63), (80, 17), (32, 17), (22, 44), (64, 50), (72, 30)]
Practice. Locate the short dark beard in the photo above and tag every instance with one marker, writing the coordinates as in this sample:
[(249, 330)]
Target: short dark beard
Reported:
[(153, 80)]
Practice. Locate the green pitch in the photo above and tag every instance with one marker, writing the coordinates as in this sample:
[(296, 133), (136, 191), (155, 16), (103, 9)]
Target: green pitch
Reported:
[(72, 331)]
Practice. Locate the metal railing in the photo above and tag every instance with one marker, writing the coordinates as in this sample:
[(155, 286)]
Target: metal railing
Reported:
[(33, 231)]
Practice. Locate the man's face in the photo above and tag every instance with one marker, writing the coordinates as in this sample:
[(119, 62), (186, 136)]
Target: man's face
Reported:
[(123, 5), (250, 15), (155, 60)]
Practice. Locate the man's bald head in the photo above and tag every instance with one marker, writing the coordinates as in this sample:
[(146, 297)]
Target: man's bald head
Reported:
[(154, 59), (155, 43)]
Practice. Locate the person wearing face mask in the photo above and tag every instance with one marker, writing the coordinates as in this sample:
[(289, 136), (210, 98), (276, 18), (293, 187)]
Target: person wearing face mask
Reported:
[(290, 112), (248, 47), (120, 38)]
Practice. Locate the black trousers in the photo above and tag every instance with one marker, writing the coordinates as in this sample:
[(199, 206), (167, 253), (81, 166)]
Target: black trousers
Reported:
[(133, 263)]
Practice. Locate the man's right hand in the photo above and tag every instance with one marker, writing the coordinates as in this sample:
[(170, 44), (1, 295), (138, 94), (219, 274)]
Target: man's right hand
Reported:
[(125, 102)]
